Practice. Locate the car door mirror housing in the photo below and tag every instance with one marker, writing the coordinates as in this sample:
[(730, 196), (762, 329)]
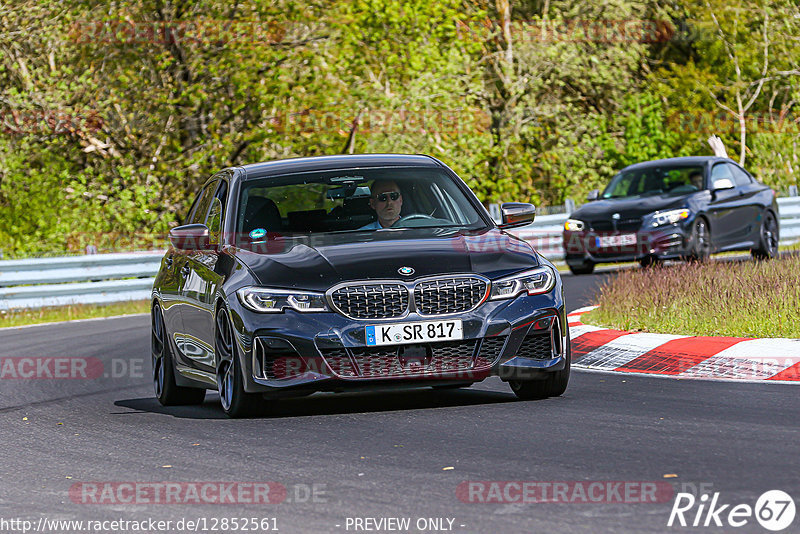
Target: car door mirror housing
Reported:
[(516, 214), (722, 183), (190, 237), (594, 194)]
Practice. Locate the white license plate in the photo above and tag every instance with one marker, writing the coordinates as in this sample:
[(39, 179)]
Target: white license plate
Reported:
[(403, 333), (616, 240)]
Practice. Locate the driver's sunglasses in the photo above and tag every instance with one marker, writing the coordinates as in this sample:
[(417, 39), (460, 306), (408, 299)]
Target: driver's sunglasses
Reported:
[(383, 197)]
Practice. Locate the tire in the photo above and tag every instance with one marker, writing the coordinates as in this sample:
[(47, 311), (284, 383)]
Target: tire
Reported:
[(167, 391), (701, 241), (584, 268), (768, 239), (649, 262), (552, 386), (236, 402)]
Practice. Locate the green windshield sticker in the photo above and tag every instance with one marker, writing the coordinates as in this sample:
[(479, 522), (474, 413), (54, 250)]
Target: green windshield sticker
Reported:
[(258, 233)]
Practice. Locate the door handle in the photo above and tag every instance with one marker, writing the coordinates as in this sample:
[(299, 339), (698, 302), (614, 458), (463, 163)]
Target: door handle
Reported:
[(185, 271)]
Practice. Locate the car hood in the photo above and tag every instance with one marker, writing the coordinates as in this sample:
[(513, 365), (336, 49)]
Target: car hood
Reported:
[(321, 261), (628, 208)]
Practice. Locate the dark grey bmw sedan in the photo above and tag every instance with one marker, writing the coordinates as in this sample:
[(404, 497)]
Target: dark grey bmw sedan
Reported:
[(677, 208), (349, 272)]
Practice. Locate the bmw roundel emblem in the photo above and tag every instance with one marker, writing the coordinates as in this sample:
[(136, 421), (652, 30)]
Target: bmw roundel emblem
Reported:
[(405, 271)]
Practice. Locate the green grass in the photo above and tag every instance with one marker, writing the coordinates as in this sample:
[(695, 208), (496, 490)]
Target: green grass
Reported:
[(717, 298), (69, 313)]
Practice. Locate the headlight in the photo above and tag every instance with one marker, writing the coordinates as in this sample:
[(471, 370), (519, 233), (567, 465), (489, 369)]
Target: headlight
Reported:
[(661, 218), (574, 225), (267, 300), (534, 282)]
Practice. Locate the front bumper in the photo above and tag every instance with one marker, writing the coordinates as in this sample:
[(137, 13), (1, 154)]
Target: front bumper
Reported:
[(293, 353), (667, 242)]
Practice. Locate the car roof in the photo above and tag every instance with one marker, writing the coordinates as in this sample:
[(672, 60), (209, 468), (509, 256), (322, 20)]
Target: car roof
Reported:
[(688, 160), (284, 166)]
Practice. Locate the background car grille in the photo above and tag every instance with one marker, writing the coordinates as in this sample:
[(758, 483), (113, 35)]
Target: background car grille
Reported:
[(377, 362), (371, 301), (536, 346), (491, 348), (622, 225), (453, 295)]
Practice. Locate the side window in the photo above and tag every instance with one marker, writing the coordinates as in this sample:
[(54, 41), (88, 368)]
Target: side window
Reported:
[(202, 205), (721, 171), (741, 178)]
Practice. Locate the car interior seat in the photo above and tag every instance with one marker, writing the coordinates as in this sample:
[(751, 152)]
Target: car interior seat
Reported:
[(261, 212)]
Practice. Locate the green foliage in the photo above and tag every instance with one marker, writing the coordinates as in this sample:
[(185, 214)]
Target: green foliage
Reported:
[(114, 114)]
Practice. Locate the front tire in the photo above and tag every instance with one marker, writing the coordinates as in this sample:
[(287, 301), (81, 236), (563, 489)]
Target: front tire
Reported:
[(586, 267), (236, 402), (552, 386), (167, 391), (701, 241), (769, 239), (649, 262)]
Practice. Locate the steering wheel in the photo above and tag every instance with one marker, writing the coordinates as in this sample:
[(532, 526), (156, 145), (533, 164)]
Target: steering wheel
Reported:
[(414, 217)]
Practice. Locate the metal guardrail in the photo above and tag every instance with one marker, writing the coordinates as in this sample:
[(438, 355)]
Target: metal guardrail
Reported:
[(91, 279), (106, 278)]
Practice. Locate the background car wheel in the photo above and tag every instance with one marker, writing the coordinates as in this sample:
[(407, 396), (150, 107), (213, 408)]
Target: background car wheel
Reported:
[(552, 386), (649, 262), (167, 391), (768, 246), (701, 241), (584, 268), (236, 402)]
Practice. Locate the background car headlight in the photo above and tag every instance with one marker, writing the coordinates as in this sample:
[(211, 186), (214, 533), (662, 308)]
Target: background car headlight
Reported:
[(661, 218), (574, 225), (534, 282), (267, 300)]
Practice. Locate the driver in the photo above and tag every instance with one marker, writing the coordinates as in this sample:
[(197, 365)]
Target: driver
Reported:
[(386, 200)]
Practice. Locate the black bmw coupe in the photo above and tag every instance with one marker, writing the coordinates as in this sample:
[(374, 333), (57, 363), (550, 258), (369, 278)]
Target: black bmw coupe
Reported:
[(345, 272), (678, 208)]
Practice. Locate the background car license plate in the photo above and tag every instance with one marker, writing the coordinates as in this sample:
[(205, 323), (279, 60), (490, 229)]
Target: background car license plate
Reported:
[(616, 240), (402, 333)]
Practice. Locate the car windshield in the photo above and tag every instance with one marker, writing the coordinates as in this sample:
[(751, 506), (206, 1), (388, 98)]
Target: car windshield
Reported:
[(350, 200), (656, 180)]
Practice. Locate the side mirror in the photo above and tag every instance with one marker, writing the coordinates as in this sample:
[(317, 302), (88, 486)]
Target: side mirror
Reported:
[(722, 183), (594, 194), (190, 237), (516, 214)]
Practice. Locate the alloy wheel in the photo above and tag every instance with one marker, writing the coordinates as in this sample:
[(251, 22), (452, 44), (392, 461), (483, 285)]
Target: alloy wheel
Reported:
[(225, 367), (157, 344), (770, 235)]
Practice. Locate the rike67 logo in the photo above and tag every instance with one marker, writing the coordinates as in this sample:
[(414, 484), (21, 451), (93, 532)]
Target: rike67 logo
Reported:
[(774, 510)]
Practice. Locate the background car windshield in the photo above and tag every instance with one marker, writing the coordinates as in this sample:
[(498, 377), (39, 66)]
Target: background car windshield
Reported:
[(339, 201), (672, 180)]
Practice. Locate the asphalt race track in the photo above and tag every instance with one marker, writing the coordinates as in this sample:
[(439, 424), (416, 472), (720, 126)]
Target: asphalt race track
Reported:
[(382, 455)]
